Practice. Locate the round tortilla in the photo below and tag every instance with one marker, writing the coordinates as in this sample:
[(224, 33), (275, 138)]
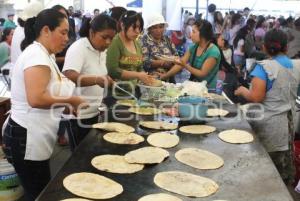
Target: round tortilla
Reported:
[(115, 164), (200, 159), (75, 199), (235, 136), (186, 184), (92, 186), (127, 102), (197, 129), (147, 155), (144, 110), (123, 138), (163, 140), (114, 126), (217, 112), (158, 125), (159, 197)]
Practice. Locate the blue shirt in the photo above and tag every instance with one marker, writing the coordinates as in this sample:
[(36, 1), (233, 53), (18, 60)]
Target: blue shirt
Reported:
[(261, 73)]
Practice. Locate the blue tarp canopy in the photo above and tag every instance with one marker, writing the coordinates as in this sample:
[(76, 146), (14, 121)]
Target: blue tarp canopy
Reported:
[(136, 4)]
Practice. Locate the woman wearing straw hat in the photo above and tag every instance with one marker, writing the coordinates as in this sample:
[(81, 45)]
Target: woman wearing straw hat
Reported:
[(155, 43)]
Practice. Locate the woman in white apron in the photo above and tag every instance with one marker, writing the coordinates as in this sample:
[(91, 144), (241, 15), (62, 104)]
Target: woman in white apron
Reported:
[(274, 87), (39, 93)]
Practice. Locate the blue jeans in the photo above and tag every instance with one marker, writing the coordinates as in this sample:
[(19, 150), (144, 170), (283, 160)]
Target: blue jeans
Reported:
[(33, 175)]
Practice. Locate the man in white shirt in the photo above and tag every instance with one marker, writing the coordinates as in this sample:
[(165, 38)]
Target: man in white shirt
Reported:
[(211, 11)]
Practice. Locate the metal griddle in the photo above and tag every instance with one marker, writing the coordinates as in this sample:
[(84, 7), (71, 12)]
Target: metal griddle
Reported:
[(247, 175)]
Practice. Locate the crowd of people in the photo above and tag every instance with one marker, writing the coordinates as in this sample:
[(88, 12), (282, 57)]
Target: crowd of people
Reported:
[(62, 62)]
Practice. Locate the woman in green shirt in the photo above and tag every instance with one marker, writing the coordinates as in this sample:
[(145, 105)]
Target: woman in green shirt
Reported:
[(124, 56), (5, 43), (202, 59)]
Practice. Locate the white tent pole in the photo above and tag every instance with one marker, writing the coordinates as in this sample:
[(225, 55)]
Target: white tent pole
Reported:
[(207, 1)]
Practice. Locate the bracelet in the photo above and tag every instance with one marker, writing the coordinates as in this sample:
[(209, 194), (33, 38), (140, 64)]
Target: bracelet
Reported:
[(96, 81)]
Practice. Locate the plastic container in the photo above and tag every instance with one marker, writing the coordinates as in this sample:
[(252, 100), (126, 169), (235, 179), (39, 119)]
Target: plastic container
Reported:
[(192, 108), (10, 188), (150, 93), (219, 87)]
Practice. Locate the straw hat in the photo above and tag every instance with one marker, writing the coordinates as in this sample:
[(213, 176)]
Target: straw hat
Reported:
[(155, 19), (31, 10)]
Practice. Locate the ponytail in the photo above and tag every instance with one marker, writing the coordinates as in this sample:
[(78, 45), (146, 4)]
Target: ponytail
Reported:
[(29, 31), (275, 42), (33, 26), (97, 24), (85, 27)]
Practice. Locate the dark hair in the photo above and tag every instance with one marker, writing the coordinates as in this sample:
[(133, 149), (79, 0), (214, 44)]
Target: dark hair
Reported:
[(5, 33), (246, 9), (216, 18), (260, 21), (117, 12), (211, 8), (250, 23), (129, 18), (60, 7), (99, 23), (275, 42), (297, 22), (235, 18), (96, 9), (21, 22), (205, 29), (241, 34), (33, 26), (77, 13), (290, 20), (282, 21), (215, 40)]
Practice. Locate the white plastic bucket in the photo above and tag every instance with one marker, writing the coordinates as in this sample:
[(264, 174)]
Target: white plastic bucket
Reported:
[(10, 188)]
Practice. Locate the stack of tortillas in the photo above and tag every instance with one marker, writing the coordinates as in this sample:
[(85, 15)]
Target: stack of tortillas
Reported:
[(199, 158), (123, 138), (158, 125), (147, 155), (159, 197), (217, 112), (163, 140), (185, 184), (92, 186), (114, 126), (127, 102), (197, 129), (115, 164), (75, 199), (235, 136), (144, 110)]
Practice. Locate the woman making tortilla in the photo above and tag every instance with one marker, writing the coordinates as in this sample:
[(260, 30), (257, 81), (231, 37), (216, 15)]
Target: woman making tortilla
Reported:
[(124, 56), (202, 59), (154, 44), (274, 85)]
